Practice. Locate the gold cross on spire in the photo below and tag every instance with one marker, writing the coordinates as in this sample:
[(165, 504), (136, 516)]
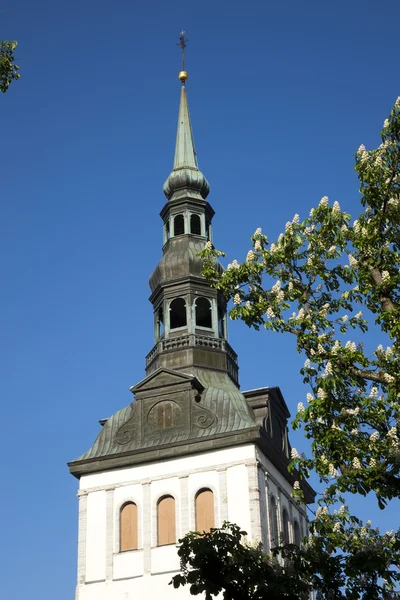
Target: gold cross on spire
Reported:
[(183, 43)]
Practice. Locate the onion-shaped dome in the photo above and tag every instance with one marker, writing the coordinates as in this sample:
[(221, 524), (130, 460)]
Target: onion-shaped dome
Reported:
[(186, 178)]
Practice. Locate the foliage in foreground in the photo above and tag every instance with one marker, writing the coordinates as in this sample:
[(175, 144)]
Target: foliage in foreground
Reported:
[(8, 68), (314, 282), (221, 562)]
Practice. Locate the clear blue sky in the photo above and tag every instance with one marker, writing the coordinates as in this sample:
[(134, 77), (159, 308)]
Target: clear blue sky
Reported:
[(281, 95)]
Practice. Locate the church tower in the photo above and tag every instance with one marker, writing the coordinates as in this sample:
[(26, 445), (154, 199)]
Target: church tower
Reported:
[(191, 450)]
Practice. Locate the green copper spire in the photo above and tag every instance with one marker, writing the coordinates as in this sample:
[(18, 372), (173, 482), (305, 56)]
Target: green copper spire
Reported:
[(185, 153), (186, 179)]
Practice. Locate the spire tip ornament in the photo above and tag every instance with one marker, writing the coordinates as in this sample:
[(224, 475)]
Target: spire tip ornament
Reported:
[(183, 75)]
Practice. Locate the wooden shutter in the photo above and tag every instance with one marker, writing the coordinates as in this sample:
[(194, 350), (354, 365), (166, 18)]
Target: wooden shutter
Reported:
[(166, 521), (204, 510), (129, 527)]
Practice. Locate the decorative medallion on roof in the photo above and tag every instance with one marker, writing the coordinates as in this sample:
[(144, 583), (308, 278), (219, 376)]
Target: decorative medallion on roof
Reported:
[(186, 177)]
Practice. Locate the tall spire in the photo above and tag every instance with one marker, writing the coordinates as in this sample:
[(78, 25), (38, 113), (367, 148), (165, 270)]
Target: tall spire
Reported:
[(186, 176), (185, 153)]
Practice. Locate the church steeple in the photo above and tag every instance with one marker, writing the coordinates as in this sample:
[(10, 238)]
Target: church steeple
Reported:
[(188, 313)]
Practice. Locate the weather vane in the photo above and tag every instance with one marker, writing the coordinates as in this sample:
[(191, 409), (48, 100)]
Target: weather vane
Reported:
[(183, 43)]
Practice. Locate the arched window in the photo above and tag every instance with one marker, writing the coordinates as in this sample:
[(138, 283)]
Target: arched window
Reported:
[(195, 225), (179, 225), (221, 323), (166, 521), (285, 525), (177, 313), (167, 232), (204, 510), (297, 534), (128, 527), (274, 522), (160, 323), (208, 227), (203, 312)]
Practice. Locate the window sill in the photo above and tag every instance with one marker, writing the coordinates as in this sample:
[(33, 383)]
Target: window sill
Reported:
[(164, 545)]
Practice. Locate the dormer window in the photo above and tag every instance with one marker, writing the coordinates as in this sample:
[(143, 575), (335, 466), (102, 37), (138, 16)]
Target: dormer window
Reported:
[(177, 313), (179, 225), (203, 312), (195, 225)]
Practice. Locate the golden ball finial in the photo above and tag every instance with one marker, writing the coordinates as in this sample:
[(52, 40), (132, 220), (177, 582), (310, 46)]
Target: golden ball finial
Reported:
[(183, 75)]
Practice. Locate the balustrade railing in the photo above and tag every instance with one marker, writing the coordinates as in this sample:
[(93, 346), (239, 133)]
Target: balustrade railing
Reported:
[(196, 340)]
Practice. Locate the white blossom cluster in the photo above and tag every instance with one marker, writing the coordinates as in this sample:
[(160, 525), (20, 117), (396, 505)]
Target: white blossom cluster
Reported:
[(257, 245), (270, 313), (388, 378), (351, 346), (321, 511), (289, 227), (353, 261), (328, 369), (233, 265), (296, 485), (294, 453), (356, 463), (350, 411), (324, 201), (374, 436), (251, 256), (237, 299)]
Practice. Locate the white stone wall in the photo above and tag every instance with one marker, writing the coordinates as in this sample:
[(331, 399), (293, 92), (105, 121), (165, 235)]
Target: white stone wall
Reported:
[(240, 478)]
